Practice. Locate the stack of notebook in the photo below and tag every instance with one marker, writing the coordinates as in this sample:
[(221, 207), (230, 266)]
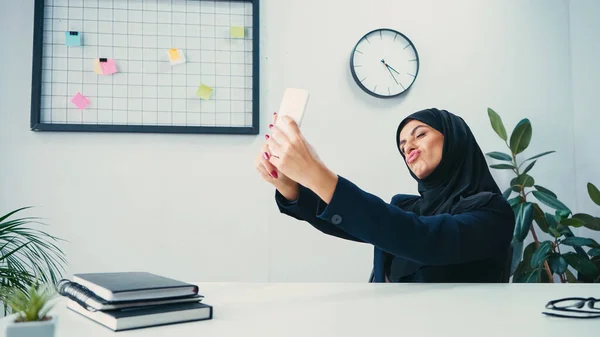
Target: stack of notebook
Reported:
[(130, 300)]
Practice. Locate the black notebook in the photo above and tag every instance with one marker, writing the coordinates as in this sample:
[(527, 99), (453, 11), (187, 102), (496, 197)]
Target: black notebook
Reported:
[(133, 286), (93, 302), (142, 317)]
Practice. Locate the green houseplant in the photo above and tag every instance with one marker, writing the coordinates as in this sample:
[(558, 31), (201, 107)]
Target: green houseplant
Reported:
[(27, 255), (542, 259), (30, 309)]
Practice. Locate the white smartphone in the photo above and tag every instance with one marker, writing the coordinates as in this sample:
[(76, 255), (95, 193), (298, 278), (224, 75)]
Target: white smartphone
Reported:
[(293, 104)]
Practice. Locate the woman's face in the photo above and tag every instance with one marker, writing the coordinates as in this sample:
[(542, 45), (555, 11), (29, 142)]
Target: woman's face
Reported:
[(422, 147)]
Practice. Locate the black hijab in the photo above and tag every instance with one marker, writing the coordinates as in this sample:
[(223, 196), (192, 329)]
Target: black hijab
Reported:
[(462, 180), (461, 177)]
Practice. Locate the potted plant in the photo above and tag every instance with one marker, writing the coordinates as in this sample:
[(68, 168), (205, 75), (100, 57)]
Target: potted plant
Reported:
[(30, 312), (542, 260), (27, 254)]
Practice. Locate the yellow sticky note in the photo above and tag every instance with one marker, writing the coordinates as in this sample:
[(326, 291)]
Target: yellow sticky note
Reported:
[(173, 54), (237, 32), (97, 67), (204, 91)]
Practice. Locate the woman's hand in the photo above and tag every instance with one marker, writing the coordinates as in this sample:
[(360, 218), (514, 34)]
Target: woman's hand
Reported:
[(287, 187), (294, 157)]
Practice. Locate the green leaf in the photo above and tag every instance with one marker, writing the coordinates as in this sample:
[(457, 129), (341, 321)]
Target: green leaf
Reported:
[(584, 217), (594, 193), (573, 222), (6, 216), (539, 218), (514, 202), (500, 156), (525, 180), (507, 193), (516, 255), (514, 185), (576, 241), (523, 221), (555, 232), (523, 268), (521, 136), (503, 167), (594, 252), (590, 222), (539, 155), (562, 214), (529, 167), (27, 254), (566, 231), (581, 264), (533, 276), (544, 190), (595, 225), (570, 277), (497, 124), (540, 254), (557, 263), (549, 201)]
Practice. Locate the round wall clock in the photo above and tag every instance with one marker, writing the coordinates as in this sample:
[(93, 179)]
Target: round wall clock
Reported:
[(384, 63)]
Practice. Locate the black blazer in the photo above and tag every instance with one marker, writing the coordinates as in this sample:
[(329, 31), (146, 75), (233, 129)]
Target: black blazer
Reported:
[(465, 247)]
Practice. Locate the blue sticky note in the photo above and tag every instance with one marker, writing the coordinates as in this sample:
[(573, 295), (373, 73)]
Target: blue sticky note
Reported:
[(72, 38)]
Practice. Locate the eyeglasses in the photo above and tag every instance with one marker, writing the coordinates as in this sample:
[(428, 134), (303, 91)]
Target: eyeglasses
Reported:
[(574, 307)]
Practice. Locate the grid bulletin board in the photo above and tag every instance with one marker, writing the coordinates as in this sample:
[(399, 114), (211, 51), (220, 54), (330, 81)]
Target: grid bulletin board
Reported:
[(175, 66)]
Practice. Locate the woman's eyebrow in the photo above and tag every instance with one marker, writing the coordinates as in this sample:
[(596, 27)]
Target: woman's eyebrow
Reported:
[(411, 133)]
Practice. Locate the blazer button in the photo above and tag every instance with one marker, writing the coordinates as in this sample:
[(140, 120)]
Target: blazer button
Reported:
[(336, 219)]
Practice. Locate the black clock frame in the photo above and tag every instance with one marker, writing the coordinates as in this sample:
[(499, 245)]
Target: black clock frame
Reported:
[(359, 83)]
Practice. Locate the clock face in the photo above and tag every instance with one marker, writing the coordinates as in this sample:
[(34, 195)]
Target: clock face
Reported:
[(384, 63)]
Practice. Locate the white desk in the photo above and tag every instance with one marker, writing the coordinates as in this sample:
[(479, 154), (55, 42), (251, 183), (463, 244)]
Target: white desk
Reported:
[(315, 309)]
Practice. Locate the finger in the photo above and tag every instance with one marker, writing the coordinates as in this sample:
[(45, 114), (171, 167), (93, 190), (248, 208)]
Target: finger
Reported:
[(265, 147), (279, 136), (275, 161), (274, 120), (267, 170), (267, 166), (275, 146), (264, 161), (267, 177), (292, 127)]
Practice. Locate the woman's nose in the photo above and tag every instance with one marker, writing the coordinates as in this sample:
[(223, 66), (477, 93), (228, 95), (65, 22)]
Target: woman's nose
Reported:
[(409, 148)]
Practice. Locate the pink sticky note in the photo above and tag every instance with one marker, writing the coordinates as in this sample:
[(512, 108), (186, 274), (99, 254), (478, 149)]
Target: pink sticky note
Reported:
[(108, 67), (80, 101)]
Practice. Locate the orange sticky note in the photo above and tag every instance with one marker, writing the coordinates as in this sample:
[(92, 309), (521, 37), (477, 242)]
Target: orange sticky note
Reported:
[(176, 56), (173, 54), (97, 67)]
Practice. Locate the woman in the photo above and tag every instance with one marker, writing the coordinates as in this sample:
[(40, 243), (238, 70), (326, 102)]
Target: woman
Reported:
[(458, 229)]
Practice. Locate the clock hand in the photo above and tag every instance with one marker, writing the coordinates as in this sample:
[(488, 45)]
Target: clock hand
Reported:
[(393, 69), (388, 68), (393, 76)]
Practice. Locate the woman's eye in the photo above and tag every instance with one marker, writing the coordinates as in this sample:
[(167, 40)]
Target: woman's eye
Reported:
[(422, 134)]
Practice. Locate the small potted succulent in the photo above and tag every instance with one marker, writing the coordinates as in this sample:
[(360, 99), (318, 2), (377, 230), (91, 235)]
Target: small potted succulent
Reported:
[(29, 308)]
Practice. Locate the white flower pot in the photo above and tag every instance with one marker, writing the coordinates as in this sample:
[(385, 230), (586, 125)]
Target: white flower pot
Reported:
[(28, 329)]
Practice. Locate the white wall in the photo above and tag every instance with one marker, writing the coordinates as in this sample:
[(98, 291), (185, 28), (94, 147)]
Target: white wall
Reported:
[(192, 206), (585, 53)]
